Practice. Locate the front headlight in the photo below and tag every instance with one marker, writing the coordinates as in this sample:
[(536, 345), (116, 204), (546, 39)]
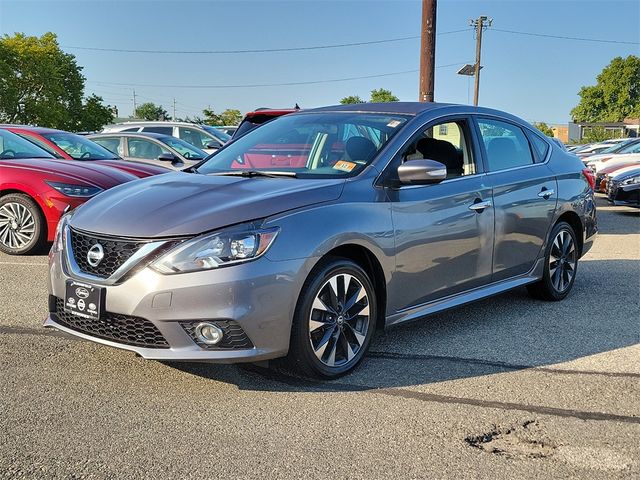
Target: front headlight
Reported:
[(59, 237), (72, 190), (219, 249), (631, 181)]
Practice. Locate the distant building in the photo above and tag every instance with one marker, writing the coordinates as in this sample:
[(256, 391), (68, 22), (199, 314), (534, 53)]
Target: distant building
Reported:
[(561, 132), (629, 127)]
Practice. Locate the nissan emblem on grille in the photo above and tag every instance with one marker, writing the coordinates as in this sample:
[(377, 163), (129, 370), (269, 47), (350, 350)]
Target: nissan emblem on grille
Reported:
[(95, 255)]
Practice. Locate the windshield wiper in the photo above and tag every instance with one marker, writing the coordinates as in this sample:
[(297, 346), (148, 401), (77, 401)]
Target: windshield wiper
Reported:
[(255, 173)]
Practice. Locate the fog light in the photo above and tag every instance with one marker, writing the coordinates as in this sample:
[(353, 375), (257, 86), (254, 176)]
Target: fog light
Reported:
[(208, 333)]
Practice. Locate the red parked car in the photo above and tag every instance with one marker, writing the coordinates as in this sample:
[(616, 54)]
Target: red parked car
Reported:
[(256, 118), (36, 189), (69, 146)]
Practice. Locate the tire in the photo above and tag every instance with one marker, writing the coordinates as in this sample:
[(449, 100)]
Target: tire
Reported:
[(22, 226), (560, 265), (328, 337)]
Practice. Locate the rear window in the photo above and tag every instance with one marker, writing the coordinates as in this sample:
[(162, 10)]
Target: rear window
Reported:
[(163, 130)]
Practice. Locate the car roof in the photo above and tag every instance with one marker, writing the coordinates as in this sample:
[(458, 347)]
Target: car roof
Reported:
[(158, 136), (31, 128), (415, 109), (154, 122)]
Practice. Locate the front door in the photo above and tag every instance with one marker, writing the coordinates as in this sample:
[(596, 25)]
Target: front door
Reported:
[(444, 238)]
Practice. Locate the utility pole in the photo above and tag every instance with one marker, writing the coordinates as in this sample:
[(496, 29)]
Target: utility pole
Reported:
[(135, 107), (428, 50), (479, 25), (174, 109)]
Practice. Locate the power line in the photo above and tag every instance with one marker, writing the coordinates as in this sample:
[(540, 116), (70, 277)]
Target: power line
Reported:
[(562, 37), (261, 50), (256, 85)]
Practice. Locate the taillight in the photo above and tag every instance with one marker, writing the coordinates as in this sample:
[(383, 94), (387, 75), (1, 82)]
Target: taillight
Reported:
[(591, 178)]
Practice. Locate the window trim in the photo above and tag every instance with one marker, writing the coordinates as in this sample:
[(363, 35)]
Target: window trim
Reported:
[(383, 177)]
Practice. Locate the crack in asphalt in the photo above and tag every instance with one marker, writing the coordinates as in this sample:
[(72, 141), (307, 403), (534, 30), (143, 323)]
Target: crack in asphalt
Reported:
[(497, 364), (448, 399)]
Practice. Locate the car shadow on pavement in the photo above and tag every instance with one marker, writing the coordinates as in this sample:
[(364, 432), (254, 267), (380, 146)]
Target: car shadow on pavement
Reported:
[(506, 333)]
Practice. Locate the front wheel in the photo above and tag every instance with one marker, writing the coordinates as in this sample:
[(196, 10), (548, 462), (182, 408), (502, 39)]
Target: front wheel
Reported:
[(22, 226), (334, 320), (560, 265)]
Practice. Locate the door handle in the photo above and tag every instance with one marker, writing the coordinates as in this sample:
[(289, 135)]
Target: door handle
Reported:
[(546, 193), (479, 206)]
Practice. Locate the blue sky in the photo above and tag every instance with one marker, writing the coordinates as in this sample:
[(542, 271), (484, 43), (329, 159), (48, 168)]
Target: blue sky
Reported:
[(536, 78)]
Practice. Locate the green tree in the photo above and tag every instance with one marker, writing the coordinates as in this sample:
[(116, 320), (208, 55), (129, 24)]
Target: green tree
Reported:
[(544, 128), (231, 116), (151, 111), (596, 134), (39, 83), (211, 117), (351, 99), (615, 96), (381, 96), (95, 115)]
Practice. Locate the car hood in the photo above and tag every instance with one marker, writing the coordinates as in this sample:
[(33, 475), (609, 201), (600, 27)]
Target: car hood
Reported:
[(63, 170), (625, 172), (180, 204), (140, 170)]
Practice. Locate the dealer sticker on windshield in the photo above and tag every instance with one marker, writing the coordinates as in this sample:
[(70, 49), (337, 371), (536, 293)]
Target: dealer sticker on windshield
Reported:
[(344, 165)]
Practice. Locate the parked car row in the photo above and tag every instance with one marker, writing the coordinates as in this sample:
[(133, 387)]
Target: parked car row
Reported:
[(617, 170)]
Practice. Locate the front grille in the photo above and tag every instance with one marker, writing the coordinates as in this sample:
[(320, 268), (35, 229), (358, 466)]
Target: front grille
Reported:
[(116, 327), (115, 253), (233, 338)]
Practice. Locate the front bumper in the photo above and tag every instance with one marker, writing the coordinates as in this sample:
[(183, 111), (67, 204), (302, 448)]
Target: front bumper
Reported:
[(259, 296), (624, 195)]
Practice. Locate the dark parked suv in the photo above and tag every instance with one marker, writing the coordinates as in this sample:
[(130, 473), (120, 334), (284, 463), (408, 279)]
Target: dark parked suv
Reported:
[(296, 241)]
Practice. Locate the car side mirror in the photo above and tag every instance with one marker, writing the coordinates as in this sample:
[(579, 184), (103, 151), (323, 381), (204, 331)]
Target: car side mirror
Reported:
[(213, 144), (421, 172), (168, 157)]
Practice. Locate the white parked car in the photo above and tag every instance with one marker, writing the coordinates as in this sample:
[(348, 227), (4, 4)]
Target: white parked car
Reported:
[(203, 137), (627, 155)]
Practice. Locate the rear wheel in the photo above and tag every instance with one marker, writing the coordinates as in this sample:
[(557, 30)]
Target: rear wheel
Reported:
[(334, 320), (560, 266), (22, 226)]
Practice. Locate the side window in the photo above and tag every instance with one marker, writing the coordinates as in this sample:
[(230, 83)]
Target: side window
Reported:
[(113, 144), (194, 137), (131, 129), (447, 143), (506, 145), (540, 147), (163, 130), (139, 148)]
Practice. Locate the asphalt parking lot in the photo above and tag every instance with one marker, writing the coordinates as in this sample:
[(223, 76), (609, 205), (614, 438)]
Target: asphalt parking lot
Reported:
[(505, 388)]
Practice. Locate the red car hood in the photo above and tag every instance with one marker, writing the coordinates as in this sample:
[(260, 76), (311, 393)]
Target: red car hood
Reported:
[(101, 176), (140, 170)]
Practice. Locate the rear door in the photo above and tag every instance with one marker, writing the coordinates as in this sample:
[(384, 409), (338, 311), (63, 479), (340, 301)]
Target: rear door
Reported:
[(524, 194)]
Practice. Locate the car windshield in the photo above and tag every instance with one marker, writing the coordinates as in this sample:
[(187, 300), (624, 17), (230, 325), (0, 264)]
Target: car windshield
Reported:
[(78, 147), (219, 134), (13, 146), (633, 148), (309, 145), (185, 149)]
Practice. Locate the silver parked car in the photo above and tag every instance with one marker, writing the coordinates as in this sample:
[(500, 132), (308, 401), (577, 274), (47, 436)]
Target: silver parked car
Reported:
[(300, 239), (154, 148), (202, 137)]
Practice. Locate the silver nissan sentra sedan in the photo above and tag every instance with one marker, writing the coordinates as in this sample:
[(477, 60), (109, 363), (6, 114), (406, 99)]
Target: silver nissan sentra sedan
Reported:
[(297, 241)]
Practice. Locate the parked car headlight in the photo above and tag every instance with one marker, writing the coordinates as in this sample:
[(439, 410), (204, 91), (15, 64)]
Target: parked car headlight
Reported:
[(631, 181), (219, 249), (72, 190), (59, 237)]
